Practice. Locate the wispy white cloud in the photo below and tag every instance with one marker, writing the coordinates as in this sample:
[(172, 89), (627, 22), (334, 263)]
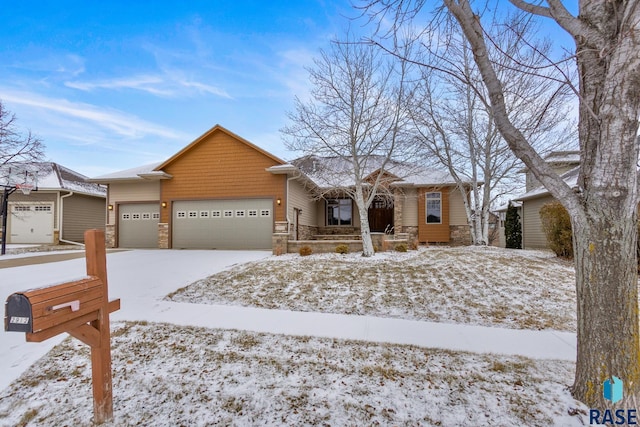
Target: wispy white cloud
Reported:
[(116, 122), (169, 84)]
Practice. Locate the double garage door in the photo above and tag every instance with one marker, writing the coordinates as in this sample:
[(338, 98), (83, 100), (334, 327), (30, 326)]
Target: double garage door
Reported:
[(222, 224), (200, 224)]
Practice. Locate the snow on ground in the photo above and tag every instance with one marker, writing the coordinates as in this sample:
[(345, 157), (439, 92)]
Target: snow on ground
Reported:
[(173, 374), (165, 375), (478, 286)]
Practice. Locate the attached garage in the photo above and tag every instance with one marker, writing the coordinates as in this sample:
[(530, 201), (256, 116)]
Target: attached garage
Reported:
[(30, 222), (138, 225), (222, 224)]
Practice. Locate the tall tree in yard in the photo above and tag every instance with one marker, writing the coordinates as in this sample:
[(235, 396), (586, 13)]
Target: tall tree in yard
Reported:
[(512, 228), (355, 116), (454, 121), (603, 205)]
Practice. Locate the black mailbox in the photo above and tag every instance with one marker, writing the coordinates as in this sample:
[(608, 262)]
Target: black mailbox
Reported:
[(18, 317)]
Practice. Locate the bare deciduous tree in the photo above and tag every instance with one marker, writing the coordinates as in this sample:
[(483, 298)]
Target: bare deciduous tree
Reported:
[(355, 117), (603, 207), (454, 120), (14, 146)]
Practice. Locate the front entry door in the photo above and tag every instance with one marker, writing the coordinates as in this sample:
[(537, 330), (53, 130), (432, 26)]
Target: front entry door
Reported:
[(381, 215)]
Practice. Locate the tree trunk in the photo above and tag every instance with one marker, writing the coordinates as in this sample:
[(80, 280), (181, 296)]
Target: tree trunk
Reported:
[(607, 289), (365, 231)]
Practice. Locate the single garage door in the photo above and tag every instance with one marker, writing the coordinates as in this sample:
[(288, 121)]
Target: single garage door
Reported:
[(30, 222), (223, 224), (138, 225)]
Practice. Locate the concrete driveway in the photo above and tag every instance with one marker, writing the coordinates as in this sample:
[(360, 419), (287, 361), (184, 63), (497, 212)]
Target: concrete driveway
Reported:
[(140, 278)]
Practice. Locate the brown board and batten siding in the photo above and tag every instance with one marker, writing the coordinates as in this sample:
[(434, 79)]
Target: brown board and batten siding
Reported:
[(436, 233), (81, 213), (221, 165)]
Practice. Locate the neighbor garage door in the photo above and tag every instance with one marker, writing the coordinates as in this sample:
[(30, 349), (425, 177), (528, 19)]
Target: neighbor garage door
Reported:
[(138, 225), (222, 224), (30, 222)]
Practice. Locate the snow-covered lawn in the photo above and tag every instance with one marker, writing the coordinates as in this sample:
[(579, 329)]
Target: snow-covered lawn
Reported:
[(166, 375), (480, 286)]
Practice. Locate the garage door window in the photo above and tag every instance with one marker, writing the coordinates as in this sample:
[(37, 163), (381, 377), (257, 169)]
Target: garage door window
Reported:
[(215, 214), (155, 215), (43, 208), (252, 213), (146, 215), (228, 214), (126, 216), (239, 214), (265, 212), (181, 214), (204, 214)]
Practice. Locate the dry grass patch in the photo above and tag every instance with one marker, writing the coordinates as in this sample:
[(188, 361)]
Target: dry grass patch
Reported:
[(241, 378), (483, 286)]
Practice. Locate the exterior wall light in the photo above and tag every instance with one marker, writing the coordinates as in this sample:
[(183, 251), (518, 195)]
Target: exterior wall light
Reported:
[(279, 201), (110, 207), (164, 204)]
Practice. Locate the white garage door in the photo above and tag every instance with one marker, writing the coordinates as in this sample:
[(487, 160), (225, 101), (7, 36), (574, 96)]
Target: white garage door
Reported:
[(222, 224), (31, 222), (138, 225)]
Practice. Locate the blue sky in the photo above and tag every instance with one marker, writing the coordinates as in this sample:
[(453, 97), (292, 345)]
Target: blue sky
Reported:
[(111, 85)]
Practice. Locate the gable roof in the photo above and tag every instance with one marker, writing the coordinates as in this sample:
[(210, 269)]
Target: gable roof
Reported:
[(216, 128), (319, 170), (53, 176), (570, 177), (138, 173)]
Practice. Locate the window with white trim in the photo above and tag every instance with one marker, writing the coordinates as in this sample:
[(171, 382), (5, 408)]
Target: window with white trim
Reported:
[(193, 214), (240, 214), (42, 208), (252, 213), (135, 216), (146, 215), (22, 208), (126, 216), (228, 214), (434, 208), (215, 214), (204, 214), (265, 212), (155, 215), (181, 214)]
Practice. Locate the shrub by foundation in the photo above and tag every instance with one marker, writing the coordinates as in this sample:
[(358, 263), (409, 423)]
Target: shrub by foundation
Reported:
[(401, 247), (342, 249), (556, 224), (305, 251)]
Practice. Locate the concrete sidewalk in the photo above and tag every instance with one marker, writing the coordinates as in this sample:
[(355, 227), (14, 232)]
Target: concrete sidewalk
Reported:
[(479, 339)]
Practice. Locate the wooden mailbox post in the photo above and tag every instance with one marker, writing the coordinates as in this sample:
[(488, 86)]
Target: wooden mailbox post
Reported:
[(81, 308)]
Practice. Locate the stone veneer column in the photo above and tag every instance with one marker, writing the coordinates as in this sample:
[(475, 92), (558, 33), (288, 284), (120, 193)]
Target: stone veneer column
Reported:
[(279, 243), (398, 205), (110, 235), (163, 235)]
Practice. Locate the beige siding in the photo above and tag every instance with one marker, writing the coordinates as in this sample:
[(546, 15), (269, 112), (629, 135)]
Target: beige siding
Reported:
[(146, 191), (532, 182), (410, 208), (457, 214), (81, 213), (300, 199), (532, 235)]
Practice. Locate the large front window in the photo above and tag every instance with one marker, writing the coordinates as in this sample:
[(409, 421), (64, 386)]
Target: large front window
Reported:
[(434, 208), (339, 212)]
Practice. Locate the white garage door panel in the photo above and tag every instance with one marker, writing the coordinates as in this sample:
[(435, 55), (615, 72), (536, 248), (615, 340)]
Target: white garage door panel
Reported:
[(138, 225), (31, 222), (223, 224)]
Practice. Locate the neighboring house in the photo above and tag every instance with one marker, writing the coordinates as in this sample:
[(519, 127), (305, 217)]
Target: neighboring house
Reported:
[(63, 206), (221, 191), (566, 164)]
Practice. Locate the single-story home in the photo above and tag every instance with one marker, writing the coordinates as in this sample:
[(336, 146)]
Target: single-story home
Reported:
[(564, 163), (59, 210), (222, 191)]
